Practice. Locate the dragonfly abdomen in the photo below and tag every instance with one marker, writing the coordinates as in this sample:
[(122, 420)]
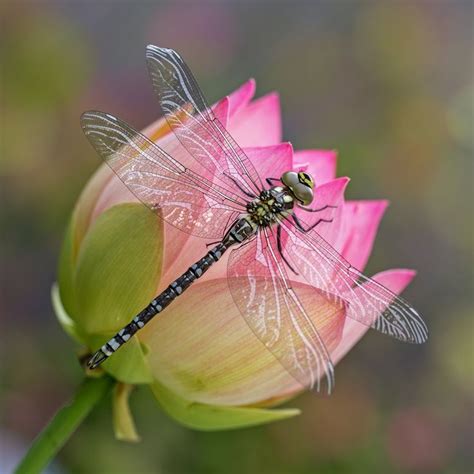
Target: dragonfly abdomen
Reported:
[(159, 303)]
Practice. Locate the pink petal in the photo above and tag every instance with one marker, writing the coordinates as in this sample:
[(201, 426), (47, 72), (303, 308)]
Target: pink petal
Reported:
[(321, 164), (259, 123), (221, 110), (395, 280), (241, 97), (360, 223), (271, 161)]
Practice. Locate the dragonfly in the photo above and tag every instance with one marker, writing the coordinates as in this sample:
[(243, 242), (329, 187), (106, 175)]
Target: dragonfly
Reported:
[(266, 223)]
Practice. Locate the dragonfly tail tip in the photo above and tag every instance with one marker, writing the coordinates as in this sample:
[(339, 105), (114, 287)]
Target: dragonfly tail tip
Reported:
[(96, 359)]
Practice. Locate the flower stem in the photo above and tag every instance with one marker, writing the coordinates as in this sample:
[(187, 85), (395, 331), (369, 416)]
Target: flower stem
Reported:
[(63, 424)]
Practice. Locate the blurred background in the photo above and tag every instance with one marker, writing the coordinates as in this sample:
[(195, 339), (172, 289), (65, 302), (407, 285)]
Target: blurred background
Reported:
[(387, 83)]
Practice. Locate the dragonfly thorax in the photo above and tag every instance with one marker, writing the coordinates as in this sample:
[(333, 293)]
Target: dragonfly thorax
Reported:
[(271, 206)]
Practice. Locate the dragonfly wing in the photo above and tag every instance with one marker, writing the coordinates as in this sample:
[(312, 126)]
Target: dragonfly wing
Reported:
[(272, 309), (369, 302), (184, 199), (195, 124)]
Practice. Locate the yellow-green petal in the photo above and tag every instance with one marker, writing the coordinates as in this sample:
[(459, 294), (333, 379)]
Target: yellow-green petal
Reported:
[(118, 268), (124, 425), (204, 417)]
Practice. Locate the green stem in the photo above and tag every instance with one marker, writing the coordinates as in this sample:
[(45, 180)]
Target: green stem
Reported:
[(63, 424)]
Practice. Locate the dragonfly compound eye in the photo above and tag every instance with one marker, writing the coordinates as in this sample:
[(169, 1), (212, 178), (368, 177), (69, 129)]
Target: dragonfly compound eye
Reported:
[(305, 178), (303, 193), (301, 184)]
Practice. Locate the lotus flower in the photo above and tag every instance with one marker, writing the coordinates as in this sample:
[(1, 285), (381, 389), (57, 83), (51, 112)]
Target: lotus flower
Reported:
[(201, 360)]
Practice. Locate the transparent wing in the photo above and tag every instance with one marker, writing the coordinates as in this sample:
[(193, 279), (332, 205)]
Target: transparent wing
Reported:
[(186, 200), (369, 302), (264, 295), (195, 124)]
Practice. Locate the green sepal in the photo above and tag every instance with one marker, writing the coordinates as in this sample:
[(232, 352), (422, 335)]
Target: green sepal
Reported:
[(63, 318), (204, 417), (118, 268), (124, 424), (129, 364)]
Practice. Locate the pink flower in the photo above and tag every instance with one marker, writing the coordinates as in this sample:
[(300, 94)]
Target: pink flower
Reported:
[(200, 354)]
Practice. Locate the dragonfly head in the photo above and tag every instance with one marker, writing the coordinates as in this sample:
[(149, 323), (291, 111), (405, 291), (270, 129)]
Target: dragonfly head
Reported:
[(301, 185)]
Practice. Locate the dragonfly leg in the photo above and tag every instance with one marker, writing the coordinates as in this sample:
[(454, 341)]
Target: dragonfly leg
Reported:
[(280, 250), (271, 180), (311, 227), (308, 209)]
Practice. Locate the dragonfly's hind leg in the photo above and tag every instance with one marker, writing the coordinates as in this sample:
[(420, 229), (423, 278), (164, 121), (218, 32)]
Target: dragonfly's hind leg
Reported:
[(308, 209), (280, 250), (311, 227)]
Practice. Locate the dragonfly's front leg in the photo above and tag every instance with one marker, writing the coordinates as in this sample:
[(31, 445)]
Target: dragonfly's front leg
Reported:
[(270, 181), (311, 227)]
